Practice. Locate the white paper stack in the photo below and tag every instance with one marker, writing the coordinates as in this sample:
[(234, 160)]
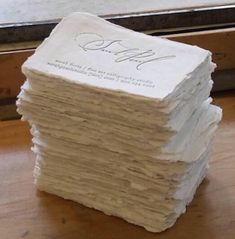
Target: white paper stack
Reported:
[(121, 121)]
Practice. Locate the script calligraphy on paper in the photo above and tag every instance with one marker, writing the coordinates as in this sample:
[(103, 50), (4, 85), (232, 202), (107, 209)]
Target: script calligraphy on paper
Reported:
[(88, 41)]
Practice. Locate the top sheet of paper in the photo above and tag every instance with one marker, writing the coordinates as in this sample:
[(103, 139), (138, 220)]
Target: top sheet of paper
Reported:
[(89, 50)]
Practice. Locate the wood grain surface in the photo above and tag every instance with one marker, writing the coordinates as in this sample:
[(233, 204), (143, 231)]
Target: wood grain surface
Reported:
[(28, 213), (219, 42), (11, 77)]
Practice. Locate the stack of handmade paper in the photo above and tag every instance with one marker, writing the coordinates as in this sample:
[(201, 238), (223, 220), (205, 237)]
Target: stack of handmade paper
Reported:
[(121, 121)]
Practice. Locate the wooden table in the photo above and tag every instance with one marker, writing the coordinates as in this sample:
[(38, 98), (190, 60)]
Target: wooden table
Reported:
[(28, 213)]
